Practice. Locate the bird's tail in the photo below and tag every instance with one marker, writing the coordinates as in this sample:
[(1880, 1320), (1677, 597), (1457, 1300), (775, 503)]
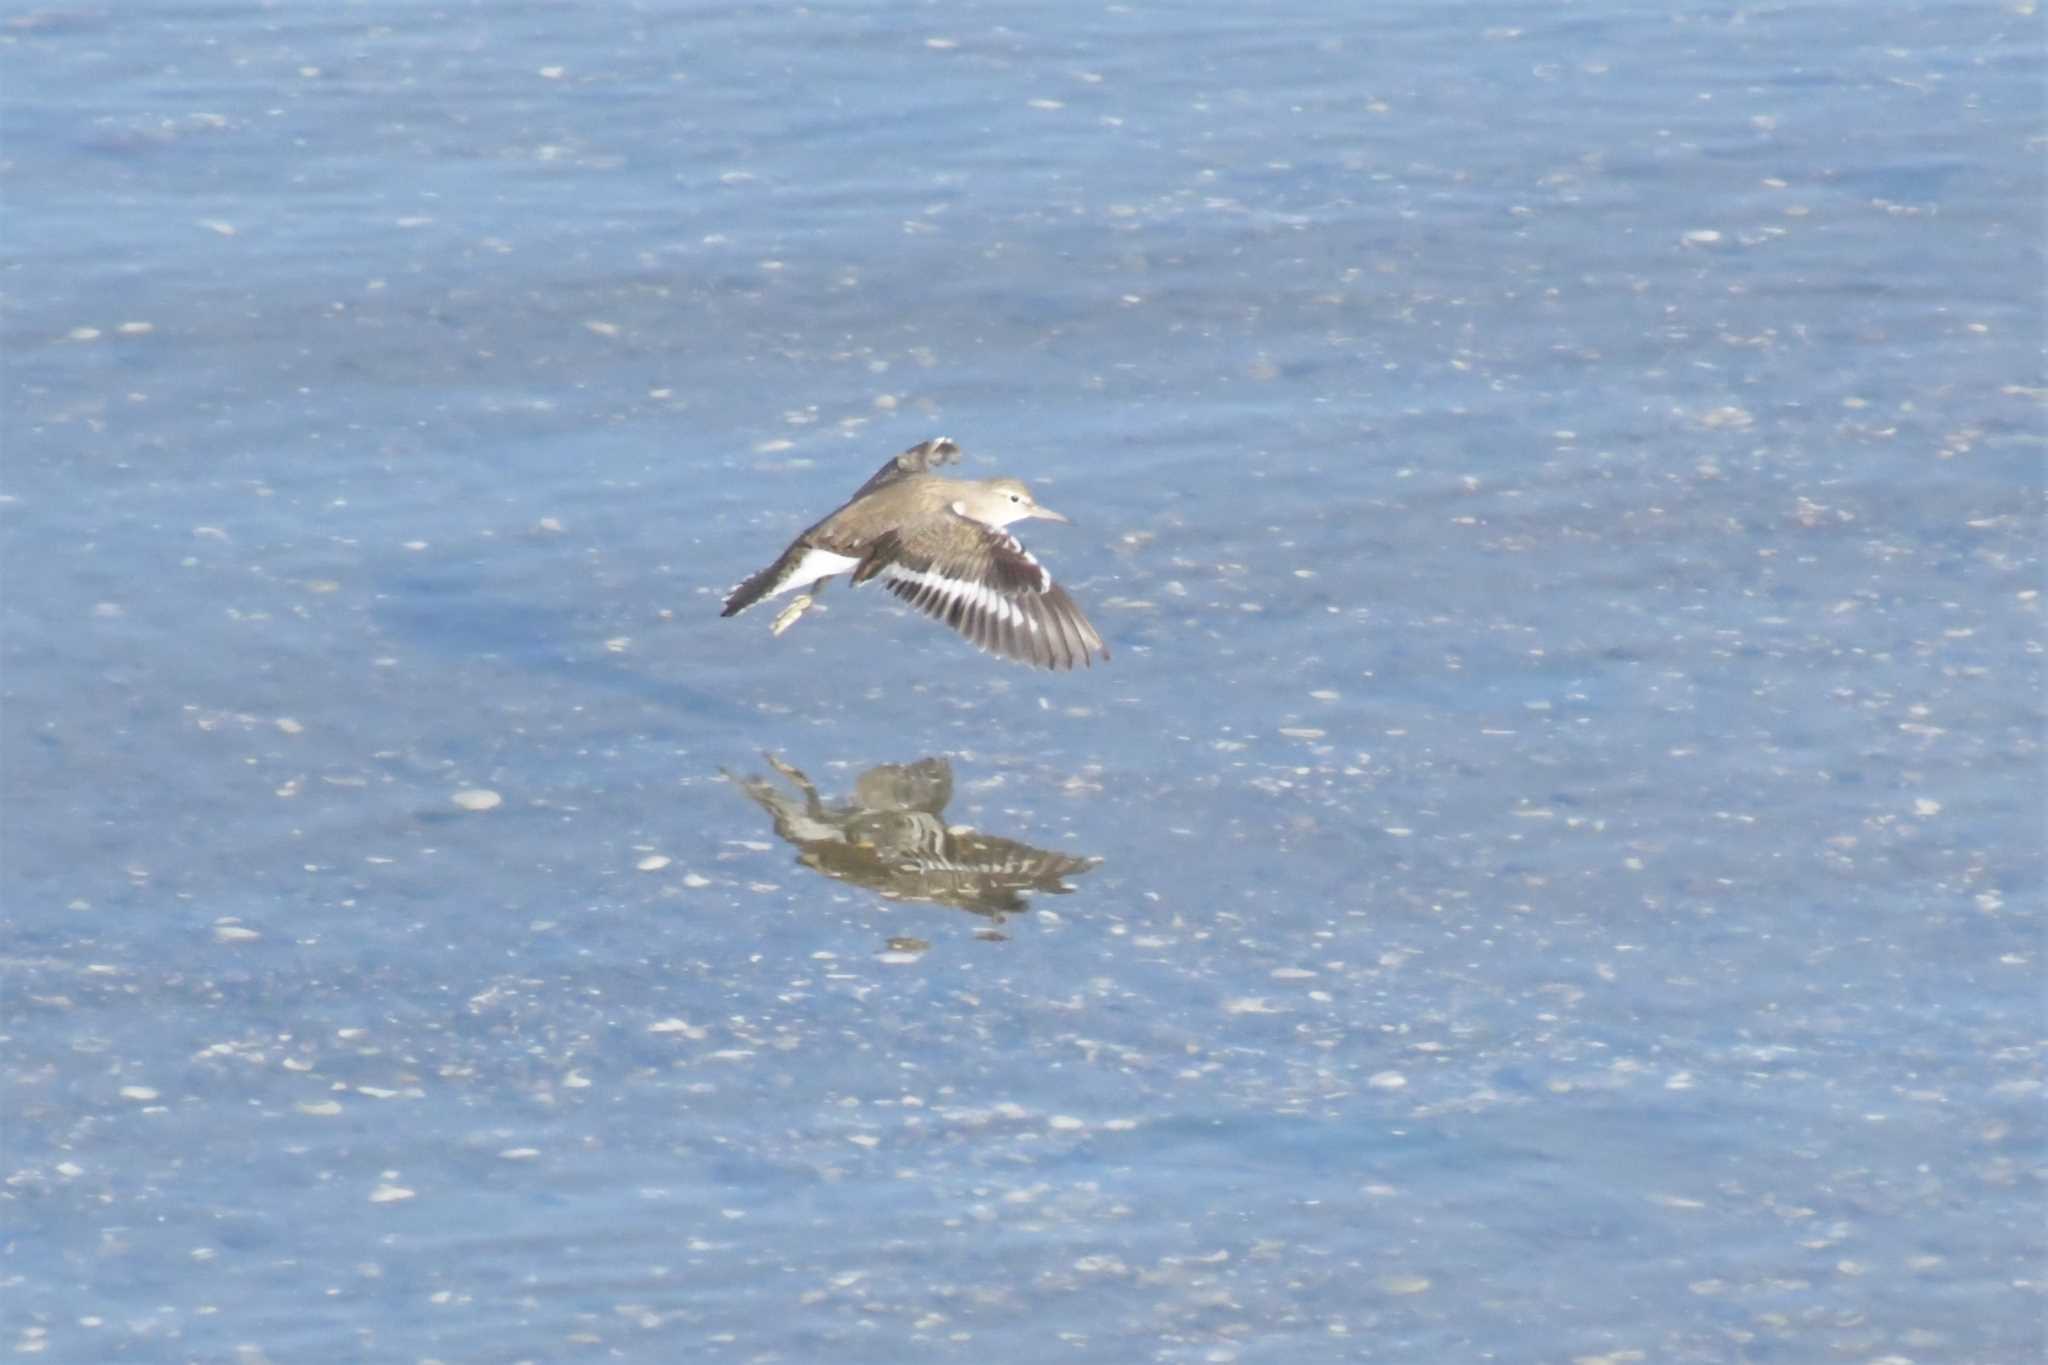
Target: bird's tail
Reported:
[(761, 584)]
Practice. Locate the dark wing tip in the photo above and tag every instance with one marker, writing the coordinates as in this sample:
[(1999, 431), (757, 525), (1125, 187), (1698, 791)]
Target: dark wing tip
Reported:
[(1063, 636), (1078, 633), (1006, 605), (1054, 635)]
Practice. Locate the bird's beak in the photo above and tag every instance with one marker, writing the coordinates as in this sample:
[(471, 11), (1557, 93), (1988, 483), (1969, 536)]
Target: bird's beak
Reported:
[(1048, 514)]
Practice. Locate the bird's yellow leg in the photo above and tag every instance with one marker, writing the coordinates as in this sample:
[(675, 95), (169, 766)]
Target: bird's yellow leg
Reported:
[(800, 604)]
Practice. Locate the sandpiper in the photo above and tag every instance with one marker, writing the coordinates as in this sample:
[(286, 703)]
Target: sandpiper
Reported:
[(893, 838), (939, 544)]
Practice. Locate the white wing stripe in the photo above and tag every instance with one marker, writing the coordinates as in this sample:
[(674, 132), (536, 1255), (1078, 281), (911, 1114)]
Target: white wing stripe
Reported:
[(967, 589)]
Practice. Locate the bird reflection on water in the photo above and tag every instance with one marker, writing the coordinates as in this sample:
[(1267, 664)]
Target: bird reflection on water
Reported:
[(892, 838)]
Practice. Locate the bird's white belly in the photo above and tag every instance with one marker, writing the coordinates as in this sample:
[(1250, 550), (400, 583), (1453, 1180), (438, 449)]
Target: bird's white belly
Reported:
[(815, 564)]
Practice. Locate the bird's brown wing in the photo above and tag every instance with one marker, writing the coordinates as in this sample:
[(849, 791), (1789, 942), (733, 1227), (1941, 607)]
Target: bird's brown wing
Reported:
[(988, 587), (917, 460)]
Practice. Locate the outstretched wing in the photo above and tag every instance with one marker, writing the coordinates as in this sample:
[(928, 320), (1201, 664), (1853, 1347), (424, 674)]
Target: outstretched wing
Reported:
[(917, 460), (990, 589)]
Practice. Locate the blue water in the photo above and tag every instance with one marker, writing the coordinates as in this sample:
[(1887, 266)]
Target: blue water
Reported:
[(1553, 867)]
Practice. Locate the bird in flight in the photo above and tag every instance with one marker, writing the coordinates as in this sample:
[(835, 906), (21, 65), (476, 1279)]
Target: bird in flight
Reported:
[(941, 545)]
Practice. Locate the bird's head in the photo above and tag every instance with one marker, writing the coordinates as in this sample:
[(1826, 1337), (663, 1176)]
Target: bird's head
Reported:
[(998, 502)]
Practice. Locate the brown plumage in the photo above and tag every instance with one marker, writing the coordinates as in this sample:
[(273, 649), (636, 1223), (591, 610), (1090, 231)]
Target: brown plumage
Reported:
[(940, 545)]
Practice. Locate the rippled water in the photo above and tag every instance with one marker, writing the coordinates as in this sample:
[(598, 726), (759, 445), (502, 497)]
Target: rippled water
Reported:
[(1552, 870)]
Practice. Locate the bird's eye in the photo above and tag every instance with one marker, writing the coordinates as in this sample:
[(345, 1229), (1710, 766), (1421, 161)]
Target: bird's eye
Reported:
[(1013, 497)]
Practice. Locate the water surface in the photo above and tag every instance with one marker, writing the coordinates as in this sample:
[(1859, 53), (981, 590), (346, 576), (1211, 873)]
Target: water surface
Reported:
[(1551, 871)]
